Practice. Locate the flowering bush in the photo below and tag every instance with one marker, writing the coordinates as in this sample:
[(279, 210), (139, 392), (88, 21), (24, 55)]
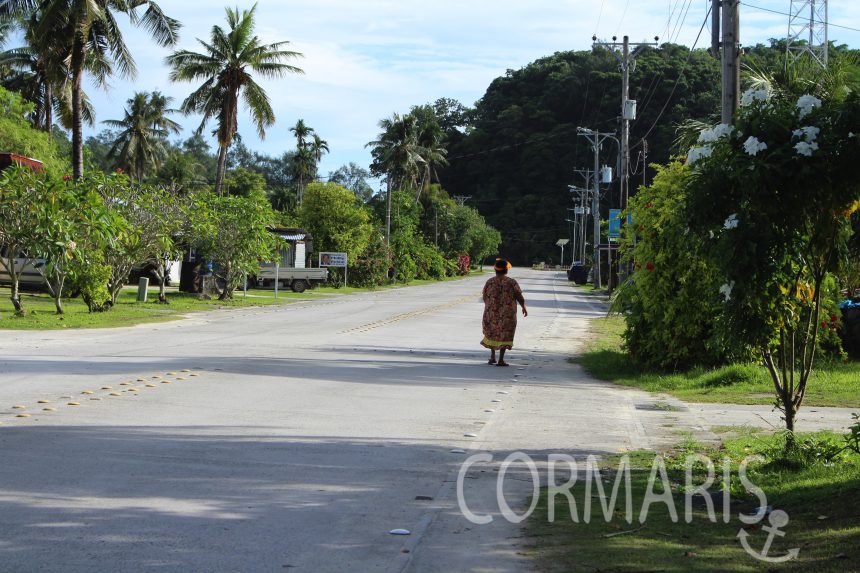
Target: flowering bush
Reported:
[(669, 313), (772, 202)]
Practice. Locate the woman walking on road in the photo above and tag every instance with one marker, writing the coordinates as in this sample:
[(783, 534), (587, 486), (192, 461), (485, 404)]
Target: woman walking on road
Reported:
[(501, 295)]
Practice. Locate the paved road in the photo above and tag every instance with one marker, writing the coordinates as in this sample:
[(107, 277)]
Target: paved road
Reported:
[(296, 438), (293, 438)]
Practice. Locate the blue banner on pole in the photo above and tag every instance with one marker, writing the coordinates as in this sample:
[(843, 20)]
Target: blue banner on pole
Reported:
[(614, 224)]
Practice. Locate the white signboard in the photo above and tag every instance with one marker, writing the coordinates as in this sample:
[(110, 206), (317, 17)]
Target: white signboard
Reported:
[(333, 260)]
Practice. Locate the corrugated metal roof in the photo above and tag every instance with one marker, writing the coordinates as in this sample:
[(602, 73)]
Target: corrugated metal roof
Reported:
[(294, 237)]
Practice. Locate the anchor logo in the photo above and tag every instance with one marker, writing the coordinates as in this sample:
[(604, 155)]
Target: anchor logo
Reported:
[(778, 520)]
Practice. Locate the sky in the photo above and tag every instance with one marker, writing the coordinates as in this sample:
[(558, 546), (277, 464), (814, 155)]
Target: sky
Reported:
[(366, 59)]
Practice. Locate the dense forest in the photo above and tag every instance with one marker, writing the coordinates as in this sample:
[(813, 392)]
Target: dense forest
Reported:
[(516, 152)]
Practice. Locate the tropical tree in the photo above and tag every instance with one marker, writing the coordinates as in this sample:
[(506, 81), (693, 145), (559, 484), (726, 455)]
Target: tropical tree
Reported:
[(397, 157), (233, 233), (302, 132), (318, 147), (335, 219), (772, 198), (143, 133), (226, 66), (87, 32)]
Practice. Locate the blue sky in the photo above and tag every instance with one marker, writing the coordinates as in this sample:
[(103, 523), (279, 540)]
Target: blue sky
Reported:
[(364, 60)]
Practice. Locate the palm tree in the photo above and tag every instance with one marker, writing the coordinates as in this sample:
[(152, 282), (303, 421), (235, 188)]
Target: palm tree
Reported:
[(87, 32), (142, 133), (303, 161), (302, 132), (225, 67), (318, 147), (397, 156), (432, 149)]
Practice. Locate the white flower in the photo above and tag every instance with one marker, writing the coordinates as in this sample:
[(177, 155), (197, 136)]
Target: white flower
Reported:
[(726, 290), (752, 145), (713, 134), (751, 96), (804, 148), (851, 135), (710, 234), (809, 133), (697, 153), (731, 221), (806, 103), (71, 245)]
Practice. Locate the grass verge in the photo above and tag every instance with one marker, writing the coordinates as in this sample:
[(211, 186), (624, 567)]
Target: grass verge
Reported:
[(40, 313), (820, 500), (831, 383)]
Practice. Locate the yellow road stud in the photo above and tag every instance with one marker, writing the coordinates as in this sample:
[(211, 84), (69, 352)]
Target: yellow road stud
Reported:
[(152, 386), (74, 403), (156, 377), (19, 407), (127, 383), (107, 388), (23, 416), (115, 394), (49, 409), (87, 392), (44, 402), (180, 378), (165, 381), (185, 370)]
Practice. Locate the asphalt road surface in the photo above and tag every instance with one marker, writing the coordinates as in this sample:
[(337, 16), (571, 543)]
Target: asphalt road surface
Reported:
[(293, 438)]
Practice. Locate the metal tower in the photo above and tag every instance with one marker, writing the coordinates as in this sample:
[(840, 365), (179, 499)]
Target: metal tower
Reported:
[(807, 30)]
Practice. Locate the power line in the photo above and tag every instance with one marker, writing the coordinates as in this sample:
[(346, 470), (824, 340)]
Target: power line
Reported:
[(677, 81), (831, 24)]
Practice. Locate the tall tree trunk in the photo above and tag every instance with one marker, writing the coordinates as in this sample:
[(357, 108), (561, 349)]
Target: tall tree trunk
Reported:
[(49, 108), (222, 167), (78, 56)]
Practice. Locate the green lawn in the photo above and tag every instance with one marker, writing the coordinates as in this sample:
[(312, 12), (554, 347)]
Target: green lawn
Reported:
[(40, 312), (821, 502), (831, 384)]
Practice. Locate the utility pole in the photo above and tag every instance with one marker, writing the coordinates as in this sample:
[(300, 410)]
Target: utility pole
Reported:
[(627, 62), (725, 38), (461, 199), (595, 138)]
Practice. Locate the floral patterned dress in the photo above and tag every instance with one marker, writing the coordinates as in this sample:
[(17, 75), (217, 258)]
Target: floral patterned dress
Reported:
[(501, 295)]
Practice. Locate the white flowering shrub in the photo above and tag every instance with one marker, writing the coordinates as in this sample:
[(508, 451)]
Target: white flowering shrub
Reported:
[(776, 204)]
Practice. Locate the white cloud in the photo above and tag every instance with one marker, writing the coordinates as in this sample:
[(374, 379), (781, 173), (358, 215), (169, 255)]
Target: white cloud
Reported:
[(365, 60)]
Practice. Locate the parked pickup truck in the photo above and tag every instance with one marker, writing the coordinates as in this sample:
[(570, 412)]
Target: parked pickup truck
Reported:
[(296, 279)]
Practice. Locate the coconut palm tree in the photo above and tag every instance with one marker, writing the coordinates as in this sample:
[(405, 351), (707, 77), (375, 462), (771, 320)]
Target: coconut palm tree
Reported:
[(143, 133), (225, 67), (38, 70), (88, 32), (396, 156)]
